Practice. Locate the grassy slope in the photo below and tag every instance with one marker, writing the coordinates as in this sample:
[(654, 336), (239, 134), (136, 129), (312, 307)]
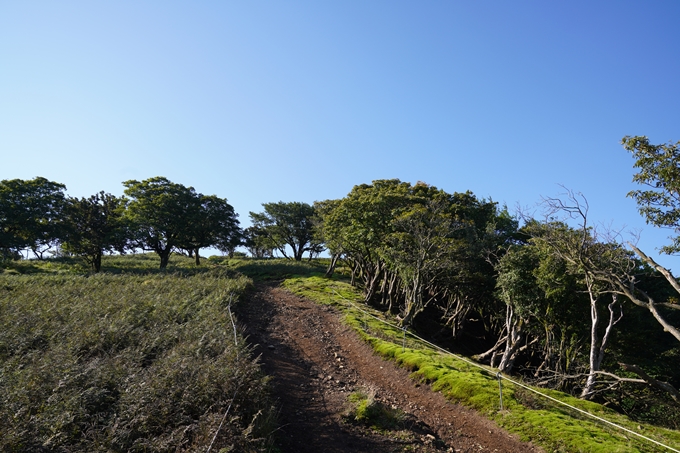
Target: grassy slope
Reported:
[(137, 361), (533, 417)]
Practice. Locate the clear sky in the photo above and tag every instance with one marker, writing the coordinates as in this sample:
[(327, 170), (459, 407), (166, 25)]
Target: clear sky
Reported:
[(261, 101)]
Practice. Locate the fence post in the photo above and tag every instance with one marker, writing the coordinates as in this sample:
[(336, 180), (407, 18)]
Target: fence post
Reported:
[(500, 387)]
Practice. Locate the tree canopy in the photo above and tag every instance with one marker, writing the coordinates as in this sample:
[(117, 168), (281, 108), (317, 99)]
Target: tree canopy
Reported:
[(30, 215), (659, 170), (286, 224), (95, 225), (166, 215)]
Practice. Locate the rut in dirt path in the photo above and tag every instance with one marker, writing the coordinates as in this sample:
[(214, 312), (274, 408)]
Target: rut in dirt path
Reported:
[(316, 361)]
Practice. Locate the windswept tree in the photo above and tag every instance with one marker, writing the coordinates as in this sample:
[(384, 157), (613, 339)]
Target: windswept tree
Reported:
[(94, 226), (160, 213), (283, 225), (214, 223), (257, 243), (358, 226), (30, 215), (166, 215), (599, 262), (414, 246)]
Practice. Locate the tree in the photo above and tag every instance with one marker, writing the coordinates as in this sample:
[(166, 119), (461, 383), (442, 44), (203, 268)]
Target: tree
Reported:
[(30, 214), (358, 226), (518, 288), (95, 225), (257, 243), (160, 213), (411, 247), (287, 224), (215, 223), (659, 169), (598, 263)]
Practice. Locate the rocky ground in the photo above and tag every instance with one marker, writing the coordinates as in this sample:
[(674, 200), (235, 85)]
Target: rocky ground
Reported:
[(316, 362)]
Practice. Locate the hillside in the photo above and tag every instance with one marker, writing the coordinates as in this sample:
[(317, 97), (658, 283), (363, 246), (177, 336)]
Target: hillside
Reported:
[(141, 359)]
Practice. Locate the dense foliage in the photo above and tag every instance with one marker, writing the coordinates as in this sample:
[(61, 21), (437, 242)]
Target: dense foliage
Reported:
[(282, 225), (155, 215), (544, 300)]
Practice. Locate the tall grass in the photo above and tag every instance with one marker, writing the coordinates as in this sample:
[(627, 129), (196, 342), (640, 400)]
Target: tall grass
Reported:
[(532, 417), (126, 363)]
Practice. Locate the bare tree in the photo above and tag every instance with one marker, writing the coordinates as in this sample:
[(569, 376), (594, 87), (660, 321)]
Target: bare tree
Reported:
[(599, 264)]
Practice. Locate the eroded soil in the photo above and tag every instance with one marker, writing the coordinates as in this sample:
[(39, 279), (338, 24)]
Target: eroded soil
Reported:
[(315, 362)]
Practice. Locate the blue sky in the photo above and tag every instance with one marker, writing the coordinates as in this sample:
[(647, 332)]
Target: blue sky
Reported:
[(264, 101)]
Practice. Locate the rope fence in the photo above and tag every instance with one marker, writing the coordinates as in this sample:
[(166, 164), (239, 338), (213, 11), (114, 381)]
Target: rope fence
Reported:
[(501, 377), (238, 387)]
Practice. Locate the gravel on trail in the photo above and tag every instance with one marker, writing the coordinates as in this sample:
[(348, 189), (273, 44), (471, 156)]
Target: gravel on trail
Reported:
[(315, 362)]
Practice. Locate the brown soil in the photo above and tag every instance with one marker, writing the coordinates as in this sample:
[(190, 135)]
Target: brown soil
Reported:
[(316, 361)]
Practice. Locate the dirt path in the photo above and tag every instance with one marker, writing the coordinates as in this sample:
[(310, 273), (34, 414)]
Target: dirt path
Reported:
[(316, 362)]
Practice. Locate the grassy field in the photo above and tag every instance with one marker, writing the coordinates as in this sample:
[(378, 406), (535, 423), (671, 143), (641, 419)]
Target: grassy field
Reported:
[(534, 418), (132, 359)]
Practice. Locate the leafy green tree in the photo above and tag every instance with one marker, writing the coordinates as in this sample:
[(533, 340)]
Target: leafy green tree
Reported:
[(358, 226), (95, 225), (166, 216), (257, 243), (160, 213), (415, 245), (287, 224), (518, 288), (214, 224), (659, 169), (30, 215)]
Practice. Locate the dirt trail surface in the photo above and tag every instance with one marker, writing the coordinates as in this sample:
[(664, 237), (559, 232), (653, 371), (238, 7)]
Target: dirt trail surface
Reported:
[(316, 361)]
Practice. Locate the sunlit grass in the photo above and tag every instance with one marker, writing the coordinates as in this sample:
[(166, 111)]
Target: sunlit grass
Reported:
[(126, 363)]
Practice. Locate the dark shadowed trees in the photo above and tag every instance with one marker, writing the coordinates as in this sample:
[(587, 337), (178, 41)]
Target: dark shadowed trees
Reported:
[(215, 225), (165, 215), (30, 215), (95, 225)]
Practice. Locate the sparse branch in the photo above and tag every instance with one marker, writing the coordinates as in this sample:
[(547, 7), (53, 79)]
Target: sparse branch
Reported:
[(665, 386)]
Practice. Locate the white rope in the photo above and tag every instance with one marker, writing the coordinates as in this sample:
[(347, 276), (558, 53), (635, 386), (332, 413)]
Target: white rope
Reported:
[(219, 428), (489, 369)]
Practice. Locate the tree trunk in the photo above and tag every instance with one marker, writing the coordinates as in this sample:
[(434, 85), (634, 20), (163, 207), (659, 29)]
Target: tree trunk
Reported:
[(597, 347), (513, 340), (198, 258), (97, 262), (331, 266), (165, 257)]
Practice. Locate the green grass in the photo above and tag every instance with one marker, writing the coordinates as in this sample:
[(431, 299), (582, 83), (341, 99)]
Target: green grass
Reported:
[(126, 362), (366, 410), (276, 268), (534, 418)]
